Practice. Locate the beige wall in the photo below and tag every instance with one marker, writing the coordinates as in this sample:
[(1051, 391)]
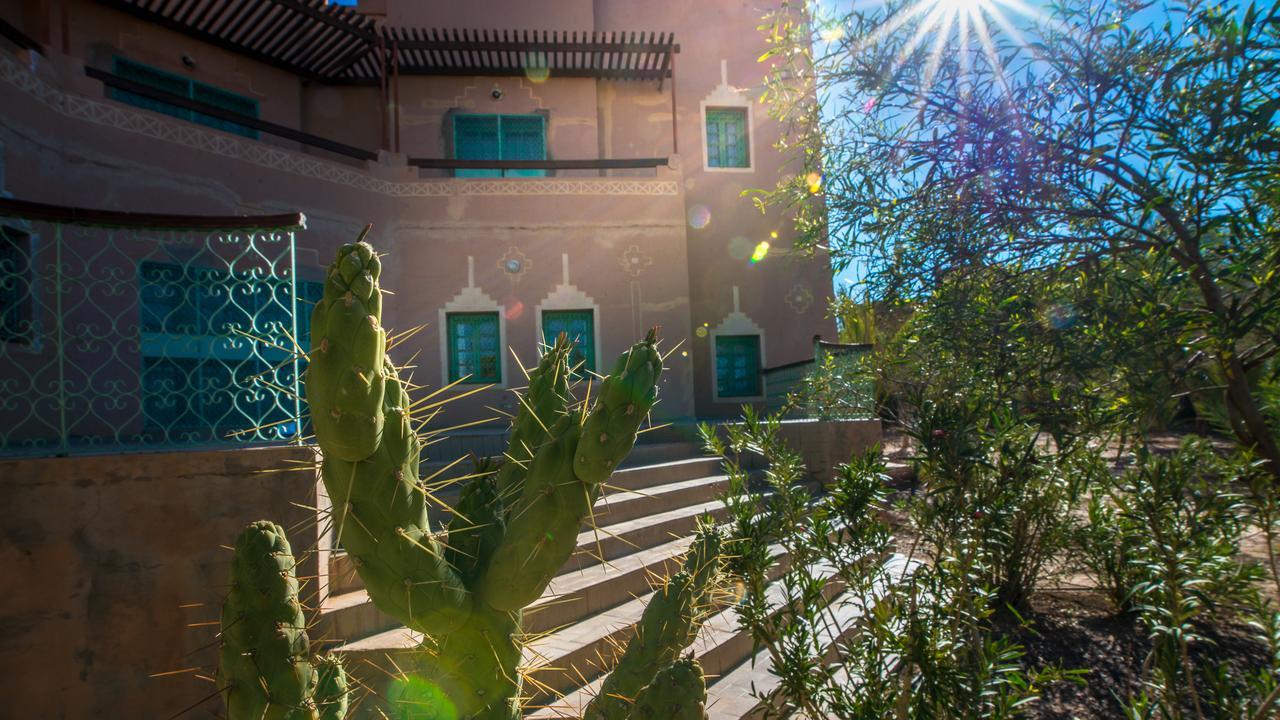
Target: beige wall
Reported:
[(117, 567)]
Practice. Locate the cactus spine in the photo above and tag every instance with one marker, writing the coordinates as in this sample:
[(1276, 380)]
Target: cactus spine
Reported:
[(263, 666), (513, 529)]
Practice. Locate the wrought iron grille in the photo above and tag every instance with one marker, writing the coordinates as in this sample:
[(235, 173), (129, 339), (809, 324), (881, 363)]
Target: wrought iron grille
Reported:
[(122, 331)]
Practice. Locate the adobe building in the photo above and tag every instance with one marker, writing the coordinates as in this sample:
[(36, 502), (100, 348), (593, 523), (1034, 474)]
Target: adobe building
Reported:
[(528, 167)]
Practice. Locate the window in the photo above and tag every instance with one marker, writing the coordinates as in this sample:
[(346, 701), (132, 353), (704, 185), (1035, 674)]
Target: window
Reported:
[(199, 371), (17, 313), (738, 366), (499, 137), (185, 87), (580, 326), (474, 347), (727, 138)]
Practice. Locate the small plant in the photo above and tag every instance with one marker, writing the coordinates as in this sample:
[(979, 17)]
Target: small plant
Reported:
[(992, 479), (1186, 564), (853, 630), (1106, 543)]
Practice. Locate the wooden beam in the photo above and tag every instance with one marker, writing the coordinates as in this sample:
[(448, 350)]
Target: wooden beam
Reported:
[(539, 46), (155, 221), (19, 38), (115, 81), (585, 164), (328, 18)]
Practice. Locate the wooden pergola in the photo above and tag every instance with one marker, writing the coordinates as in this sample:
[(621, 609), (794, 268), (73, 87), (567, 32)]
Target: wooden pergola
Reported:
[(336, 45)]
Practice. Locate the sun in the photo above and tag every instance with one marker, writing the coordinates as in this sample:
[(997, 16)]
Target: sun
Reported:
[(947, 25)]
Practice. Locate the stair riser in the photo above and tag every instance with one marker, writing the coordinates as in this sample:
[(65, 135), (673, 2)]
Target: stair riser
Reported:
[(608, 547), (631, 509), (350, 623), (614, 590), (636, 478), (343, 577)]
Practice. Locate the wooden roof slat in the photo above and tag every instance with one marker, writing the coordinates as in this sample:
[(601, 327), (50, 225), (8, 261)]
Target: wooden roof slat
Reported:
[(331, 43)]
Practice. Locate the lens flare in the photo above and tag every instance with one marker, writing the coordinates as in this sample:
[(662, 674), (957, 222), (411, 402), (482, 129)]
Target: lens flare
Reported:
[(535, 67), (700, 332), (814, 181), (514, 308), (699, 217), (740, 248), (761, 250)]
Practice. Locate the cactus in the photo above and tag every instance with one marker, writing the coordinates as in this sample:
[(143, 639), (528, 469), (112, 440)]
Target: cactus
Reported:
[(669, 624), (513, 528), (678, 692), (263, 665)]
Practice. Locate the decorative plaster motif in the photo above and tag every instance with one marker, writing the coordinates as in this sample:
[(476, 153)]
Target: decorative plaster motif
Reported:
[(635, 261), (800, 298), (471, 299), (257, 153), (514, 262)]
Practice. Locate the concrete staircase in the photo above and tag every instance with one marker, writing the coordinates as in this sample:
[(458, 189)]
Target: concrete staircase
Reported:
[(643, 524)]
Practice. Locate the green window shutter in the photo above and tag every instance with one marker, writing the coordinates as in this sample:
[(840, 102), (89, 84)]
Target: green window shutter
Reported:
[(580, 326), (727, 137), (474, 347), (738, 366), (524, 138), (476, 137), (227, 101), (178, 85), (152, 78), (499, 137)]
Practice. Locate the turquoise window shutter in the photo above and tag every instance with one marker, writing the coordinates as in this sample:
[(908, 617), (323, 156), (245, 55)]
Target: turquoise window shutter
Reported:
[(580, 326), (499, 137), (474, 347), (153, 78), (738, 366), (476, 137), (227, 101), (524, 138), (185, 87), (727, 138)]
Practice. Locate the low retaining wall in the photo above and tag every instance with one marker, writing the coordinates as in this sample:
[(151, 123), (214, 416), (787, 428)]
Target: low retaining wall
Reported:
[(115, 567), (826, 444)]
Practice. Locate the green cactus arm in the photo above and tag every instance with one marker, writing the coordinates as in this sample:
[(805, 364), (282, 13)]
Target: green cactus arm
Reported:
[(332, 693), (678, 692), (545, 400), (478, 523), (362, 419), (669, 624), (263, 669), (563, 480)]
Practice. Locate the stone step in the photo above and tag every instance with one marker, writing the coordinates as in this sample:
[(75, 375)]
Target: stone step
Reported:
[(719, 646), (570, 597), (606, 543), (623, 499), (624, 522)]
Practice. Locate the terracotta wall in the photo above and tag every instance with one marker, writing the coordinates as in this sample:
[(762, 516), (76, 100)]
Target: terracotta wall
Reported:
[(116, 567)]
